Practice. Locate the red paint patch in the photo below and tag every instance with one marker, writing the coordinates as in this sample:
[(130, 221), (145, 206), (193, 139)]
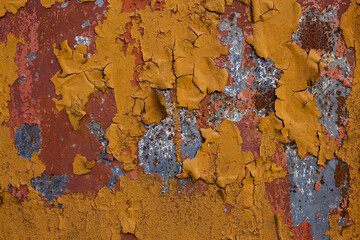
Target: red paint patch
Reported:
[(32, 99), (317, 186), (128, 237), (251, 137), (192, 188), (277, 192), (20, 193), (228, 209), (302, 232)]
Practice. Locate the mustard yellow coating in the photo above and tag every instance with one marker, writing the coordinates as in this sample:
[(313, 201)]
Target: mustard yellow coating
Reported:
[(8, 73), (140, 209), (78, 79), (11, 6), (179, 45), (81, 166), (220, 159)]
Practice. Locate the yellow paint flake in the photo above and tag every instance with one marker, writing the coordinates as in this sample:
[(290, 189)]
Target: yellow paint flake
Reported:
[(123, 136), (271, 135), (81, 166), (11, 6)]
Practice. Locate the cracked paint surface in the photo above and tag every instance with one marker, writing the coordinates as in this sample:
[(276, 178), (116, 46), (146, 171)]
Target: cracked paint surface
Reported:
[(169, 119)]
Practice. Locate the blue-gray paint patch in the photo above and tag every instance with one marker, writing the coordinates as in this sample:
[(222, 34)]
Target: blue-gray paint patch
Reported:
[(64, 5), (85, 24), (190, 135), (50, 187), (330, 96), (31, 57), (116, 170), (96, 130), (341, 62), (157, 150), (266, 76), (234, 40), (100, 3), (81, 40), (305, 200), (28, 140), (313, 16)]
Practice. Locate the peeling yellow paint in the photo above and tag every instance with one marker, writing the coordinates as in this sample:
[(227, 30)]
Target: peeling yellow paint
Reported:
[(78, 79), (273, 24), (8, 73), (220, 158), (271, 135), (179, 45), (11, 6)]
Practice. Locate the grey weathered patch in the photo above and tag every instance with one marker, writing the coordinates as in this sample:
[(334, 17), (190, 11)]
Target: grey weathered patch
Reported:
[(190, 135), (306, 202), (96, 130), (28, 140), (116, 170), (266, 76), (50, 187), (157, 151), (325, 23), (330, 96)]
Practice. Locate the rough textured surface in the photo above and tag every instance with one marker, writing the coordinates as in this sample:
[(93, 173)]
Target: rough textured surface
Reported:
[(179, 119)]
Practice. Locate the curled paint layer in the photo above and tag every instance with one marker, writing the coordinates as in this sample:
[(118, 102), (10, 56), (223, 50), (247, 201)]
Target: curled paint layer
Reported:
[(77, 81), (179, 48), (220, 159), (294, 107)]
